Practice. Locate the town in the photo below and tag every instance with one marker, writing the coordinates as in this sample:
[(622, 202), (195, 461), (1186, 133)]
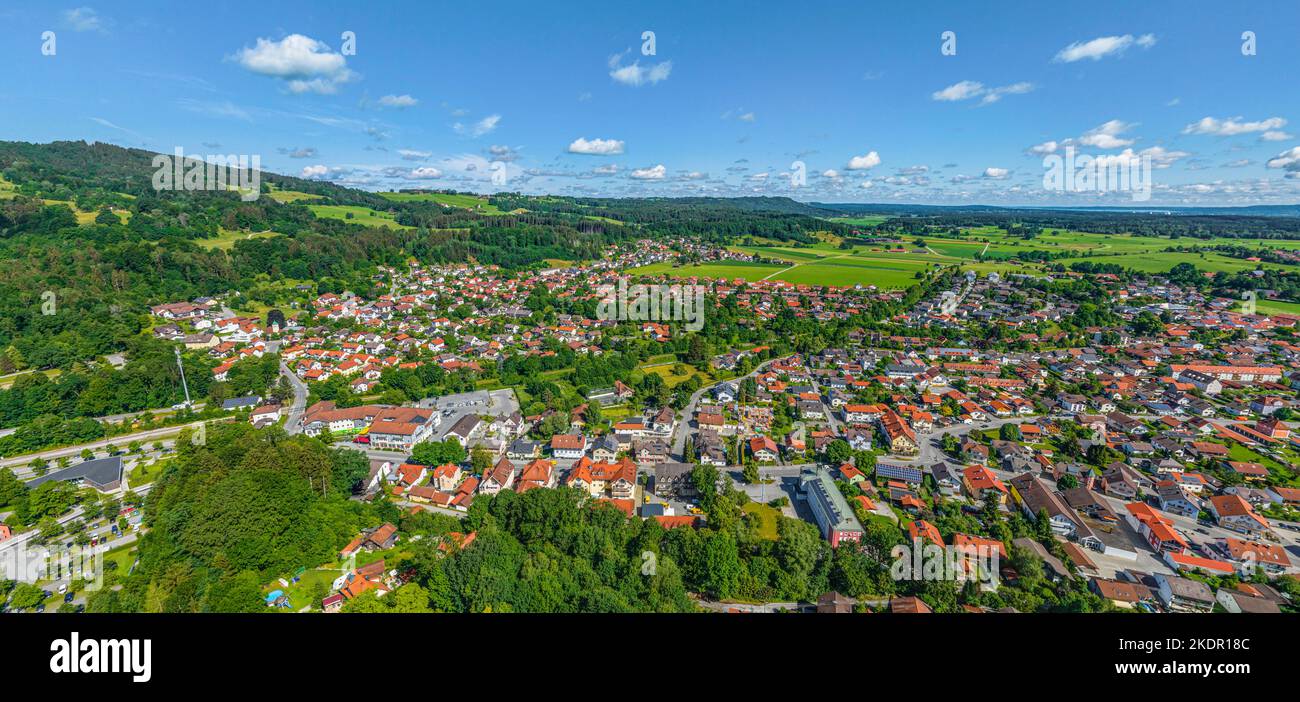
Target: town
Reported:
[(1132, 462)]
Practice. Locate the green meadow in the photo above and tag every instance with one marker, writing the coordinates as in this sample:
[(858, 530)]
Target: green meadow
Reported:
[(359, 215)]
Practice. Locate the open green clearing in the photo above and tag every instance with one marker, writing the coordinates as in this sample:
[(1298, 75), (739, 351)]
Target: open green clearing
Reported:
[(469, 202), (291, 195), (226, 238), (358, 215), (767, 517)]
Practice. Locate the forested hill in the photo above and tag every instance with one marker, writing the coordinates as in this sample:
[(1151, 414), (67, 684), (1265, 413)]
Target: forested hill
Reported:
[(82, 226)]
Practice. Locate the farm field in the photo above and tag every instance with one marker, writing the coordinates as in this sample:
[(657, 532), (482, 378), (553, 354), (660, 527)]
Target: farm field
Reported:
[(1278, 307), (716, 269), (862, 221), (359, 215), (1162, 261)]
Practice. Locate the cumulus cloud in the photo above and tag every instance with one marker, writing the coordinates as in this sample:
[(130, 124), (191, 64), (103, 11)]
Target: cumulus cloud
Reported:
[(424, 173), (596, 147), (317, 172), (1275, 136), (413, 155), (635, 74), (865, 162), (1233, 126), (305, 64), (651, 173), (1045, 148), (1101, 47), (398, 101), (996, 173), (1106, 135), (1288, 161)]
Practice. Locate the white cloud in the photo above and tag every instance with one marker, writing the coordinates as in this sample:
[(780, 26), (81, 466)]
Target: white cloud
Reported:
[(84, 19), (1106, 136), (652, 173), (596, 147), (997, 173), (1099, 48), (1288, 160), (412, 155), (747, 117), (968, 89), (305, 64), (1275, 136), (315, 172), (425, 173), (635, 74), (830, 173), (1161, 157), (479, 128), (1232, 126), (398, 101), (1047, 147), (964, 90), (865, 162)]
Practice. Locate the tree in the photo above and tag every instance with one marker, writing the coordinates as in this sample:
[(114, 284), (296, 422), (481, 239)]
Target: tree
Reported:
[(838, 451), (1009, 432), (26, 596), (1067, 482), (436, 453), (480, 460)]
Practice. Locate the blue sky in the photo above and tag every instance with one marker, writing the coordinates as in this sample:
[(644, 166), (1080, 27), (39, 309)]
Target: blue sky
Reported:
[(565, 101)]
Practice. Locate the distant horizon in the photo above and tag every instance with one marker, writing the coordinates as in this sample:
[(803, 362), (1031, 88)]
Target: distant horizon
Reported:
[(872, 104)]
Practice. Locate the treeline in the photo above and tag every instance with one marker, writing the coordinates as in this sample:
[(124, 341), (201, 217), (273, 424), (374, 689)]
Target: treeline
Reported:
[(232, 514)]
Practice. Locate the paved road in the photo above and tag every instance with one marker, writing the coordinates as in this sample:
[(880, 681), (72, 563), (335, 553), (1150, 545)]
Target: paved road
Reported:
[(682, 428), (53, 455), (299, 406)]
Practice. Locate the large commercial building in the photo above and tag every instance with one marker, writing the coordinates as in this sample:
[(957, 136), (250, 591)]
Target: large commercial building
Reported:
[(833, 514)]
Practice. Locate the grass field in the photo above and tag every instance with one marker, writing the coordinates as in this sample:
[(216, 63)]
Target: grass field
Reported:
[(226, 238), (291, 196), (863, 221), (469, 202), (1278, 307), (767, 517), (1162, 261), (360, 215), (718, 269), (7, 190), (671, 379)]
